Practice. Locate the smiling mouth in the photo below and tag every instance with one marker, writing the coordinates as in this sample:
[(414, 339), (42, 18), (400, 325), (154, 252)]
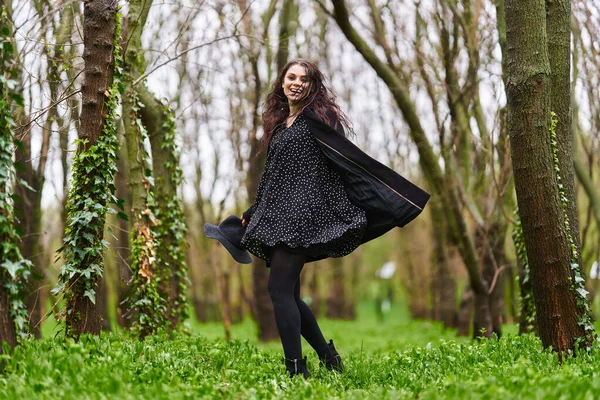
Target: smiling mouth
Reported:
[(296, 91)]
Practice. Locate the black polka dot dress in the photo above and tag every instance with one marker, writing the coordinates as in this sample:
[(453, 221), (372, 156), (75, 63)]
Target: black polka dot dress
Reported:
[(301, 202)]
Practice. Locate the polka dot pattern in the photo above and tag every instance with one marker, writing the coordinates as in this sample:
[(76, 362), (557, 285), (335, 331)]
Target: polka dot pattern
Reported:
[(301, 202)]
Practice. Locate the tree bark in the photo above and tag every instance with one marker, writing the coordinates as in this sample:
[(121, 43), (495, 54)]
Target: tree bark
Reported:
[(7, 326), (267, 329), (336, 298), (122, 245), (529, 105), (313, 287), (465, 309), (492, 245), (222, 288), (443, 280)]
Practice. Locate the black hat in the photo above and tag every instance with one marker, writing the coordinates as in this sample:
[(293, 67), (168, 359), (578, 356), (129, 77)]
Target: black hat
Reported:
[(230, 232)]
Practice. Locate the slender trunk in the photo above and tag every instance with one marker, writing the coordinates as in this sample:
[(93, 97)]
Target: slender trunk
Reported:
[(29, 214), (7, 326), (443, 280), (527, 322), (465, 311), (102, 302), (123, 261), (222, 288), (267, 329), (336, 299), (492, 243), (558, 28), (169, 210), (313, 285)]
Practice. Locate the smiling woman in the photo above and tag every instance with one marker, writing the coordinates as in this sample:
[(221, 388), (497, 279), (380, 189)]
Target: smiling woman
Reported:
[(319, 197)]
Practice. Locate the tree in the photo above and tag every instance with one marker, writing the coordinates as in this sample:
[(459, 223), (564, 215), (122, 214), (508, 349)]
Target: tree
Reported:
[(448, 184), (31, 179), (552, 251), (157, 213), (93, 171), (14, 269)]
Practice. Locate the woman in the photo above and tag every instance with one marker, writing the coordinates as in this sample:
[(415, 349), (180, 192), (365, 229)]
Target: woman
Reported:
[(319, 197)]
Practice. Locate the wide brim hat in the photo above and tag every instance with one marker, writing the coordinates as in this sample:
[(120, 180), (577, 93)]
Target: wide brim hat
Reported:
[(230, 232)]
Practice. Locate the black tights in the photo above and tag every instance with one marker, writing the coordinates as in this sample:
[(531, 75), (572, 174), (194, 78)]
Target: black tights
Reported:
[(292, 315)]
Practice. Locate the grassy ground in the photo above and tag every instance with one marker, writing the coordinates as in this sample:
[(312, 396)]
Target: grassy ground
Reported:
[(395, 359)]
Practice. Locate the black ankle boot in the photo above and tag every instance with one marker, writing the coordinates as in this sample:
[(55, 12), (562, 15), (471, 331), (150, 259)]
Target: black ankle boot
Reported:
[(297, 367), (331, 358)]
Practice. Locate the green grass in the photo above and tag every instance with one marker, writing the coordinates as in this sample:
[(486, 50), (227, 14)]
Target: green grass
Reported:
[(393, 360)]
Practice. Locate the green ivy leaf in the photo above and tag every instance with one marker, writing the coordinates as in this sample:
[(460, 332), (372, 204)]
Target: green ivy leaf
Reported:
[(12, 267), (90, 294), (582, 292)]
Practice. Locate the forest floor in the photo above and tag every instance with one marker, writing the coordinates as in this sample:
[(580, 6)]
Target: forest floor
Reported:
[(394, 359)]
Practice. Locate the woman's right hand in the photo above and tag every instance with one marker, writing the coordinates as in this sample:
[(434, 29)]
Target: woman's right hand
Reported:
[(244, 222)]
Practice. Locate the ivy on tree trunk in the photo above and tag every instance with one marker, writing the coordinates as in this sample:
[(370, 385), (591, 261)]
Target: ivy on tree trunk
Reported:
[(92, 189), (546, 235)]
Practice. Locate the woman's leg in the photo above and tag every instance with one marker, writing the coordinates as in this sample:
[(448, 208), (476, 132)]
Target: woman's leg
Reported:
[(309, 327), (285, 273)]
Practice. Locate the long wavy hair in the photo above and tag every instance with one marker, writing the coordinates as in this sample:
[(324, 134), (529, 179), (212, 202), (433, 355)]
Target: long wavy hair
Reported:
[(320, 98)]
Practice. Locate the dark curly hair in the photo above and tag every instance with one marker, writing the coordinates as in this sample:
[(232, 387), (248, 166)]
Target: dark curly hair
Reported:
[(320, 98)]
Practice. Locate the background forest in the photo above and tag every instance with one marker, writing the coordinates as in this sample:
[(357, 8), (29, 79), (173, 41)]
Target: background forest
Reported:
[(136, 122)]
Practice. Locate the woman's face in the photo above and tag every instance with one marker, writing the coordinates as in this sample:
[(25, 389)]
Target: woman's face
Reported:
[(295, 83)]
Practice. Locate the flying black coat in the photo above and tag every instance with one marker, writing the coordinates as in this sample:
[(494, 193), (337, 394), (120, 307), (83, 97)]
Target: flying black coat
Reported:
[(388, 199)]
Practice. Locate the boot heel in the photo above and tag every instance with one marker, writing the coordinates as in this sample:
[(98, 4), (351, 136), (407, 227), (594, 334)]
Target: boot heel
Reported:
[(331, 358)]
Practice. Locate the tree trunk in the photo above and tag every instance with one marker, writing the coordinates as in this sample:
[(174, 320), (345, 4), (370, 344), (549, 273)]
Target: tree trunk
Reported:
[(313, 286), (160, 125), (443, 280), (29, 214), (492, 247), (529, 104), (336, 299), (222, 288), (102, 296), (167, 174), (527, 322), (267, 329), (7, 326), (465, 310), (98, 30), (558, 28), (122, 244)]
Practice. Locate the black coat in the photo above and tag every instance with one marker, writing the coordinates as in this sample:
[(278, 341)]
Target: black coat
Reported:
[(388, 199)]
